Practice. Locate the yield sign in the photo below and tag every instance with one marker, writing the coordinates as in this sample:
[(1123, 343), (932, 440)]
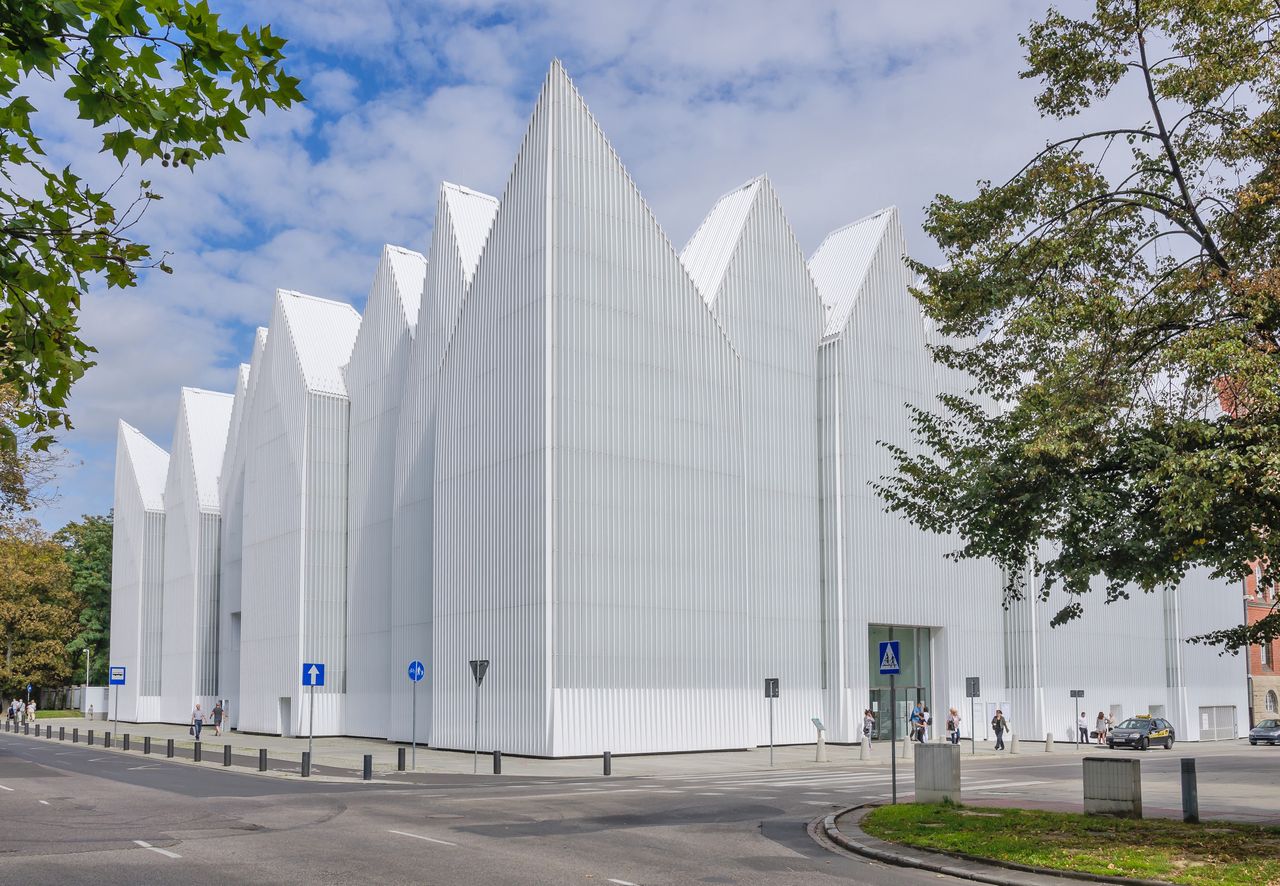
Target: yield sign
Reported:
[(478, 668)]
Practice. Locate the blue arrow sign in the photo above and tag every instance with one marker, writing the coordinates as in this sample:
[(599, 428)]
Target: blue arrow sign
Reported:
[(312, 674), (890, 663), (416, 670), (28, 689)]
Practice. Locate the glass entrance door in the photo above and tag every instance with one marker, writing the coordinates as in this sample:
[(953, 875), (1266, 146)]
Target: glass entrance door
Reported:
[(913, 684)]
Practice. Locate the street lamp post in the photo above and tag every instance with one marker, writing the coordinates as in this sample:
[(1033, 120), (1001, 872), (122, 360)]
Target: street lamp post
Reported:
[(84, 701)]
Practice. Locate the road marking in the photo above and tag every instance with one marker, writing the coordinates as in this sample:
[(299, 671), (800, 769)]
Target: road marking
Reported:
[(44, 802), (5, 788), (623, 882), (709, 794), (420, 837), (149, 766), (165, 852)]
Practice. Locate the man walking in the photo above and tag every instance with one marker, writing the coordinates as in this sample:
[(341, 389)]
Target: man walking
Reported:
[(197, 720), (217, 717), (1082, 724), (998, 725)]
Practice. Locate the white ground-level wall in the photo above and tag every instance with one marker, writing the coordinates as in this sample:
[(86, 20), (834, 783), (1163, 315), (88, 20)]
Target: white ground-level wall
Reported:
[(636, 481)]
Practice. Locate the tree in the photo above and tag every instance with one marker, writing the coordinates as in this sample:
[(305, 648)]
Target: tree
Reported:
[(165, 81), (1116, 302), (38, 609), (87, 547)]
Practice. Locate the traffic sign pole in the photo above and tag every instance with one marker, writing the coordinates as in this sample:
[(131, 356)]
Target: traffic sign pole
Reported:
[(893, 733), (414, 755), (312, 736)]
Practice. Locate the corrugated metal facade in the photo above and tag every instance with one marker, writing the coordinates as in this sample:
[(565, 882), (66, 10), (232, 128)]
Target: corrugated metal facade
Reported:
[(137, 572), (375, 382), (293, 586), (191, 560), (637, 482)]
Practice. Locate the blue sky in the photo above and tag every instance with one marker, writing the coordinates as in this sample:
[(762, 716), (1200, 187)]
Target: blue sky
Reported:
[(848, 106)]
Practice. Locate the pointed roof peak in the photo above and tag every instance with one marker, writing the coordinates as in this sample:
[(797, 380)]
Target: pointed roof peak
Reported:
[(707, 255), (841, 263), (150, 464), (206, 417)]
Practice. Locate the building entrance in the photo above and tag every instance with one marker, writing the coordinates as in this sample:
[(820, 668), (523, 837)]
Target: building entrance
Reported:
[(914, 684)]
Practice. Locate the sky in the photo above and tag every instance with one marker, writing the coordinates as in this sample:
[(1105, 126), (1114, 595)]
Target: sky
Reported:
[(848, 106)]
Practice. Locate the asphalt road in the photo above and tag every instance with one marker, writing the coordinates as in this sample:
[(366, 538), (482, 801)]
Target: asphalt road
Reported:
[(73, 814)]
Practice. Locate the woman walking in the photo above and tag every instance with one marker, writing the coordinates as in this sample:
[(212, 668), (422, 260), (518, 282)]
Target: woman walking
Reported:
[(868, 725), (998, 725), (1100, 728), (953, 725)]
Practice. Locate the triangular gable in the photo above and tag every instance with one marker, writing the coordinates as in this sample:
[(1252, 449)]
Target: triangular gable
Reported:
[(206, 422), (148, 463), (842, 262), (323, 334), (707, 254)]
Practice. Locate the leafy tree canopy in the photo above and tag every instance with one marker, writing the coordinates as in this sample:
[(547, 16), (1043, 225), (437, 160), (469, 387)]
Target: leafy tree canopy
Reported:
[(38, 609), (163, 79), (1117, 301), (87, 543)]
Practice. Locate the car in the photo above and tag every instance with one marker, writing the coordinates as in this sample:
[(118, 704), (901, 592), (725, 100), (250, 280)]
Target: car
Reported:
[(1142, 732), (1267, 730)]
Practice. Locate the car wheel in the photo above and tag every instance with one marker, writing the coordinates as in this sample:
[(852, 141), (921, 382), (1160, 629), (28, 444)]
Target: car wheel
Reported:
[(1112, 745), (1252, 742), (1143, 743), (1168, 743)]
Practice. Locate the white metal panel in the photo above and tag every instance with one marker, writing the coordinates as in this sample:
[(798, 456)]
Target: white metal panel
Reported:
[(375, 383), (707, 254), (137, 570), (843, 260)]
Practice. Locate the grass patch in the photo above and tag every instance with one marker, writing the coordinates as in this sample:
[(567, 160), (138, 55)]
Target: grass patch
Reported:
[(41, 715), (1153, 849)]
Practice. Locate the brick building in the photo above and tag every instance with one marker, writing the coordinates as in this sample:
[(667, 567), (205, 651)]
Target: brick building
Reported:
[(1264, 678)]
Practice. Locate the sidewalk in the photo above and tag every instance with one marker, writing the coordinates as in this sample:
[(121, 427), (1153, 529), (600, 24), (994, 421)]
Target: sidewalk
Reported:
[(347, 753)]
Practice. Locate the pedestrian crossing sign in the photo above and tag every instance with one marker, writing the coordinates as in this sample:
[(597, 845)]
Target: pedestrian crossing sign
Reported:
[(889, 663)]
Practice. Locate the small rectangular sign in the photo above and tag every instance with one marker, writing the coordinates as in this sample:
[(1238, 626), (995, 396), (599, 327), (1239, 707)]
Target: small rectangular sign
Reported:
[(818, 724), (1077, 693), (771, 687), (312, 673), (117, 676), (972, 687), (890, 662)]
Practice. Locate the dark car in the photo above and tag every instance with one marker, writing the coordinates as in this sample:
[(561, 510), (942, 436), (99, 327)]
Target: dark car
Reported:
[(1267, 730), (1142, 733)]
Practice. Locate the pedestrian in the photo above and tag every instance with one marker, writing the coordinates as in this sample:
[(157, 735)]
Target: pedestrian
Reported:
[(1100, 728), (90, 712), (217, 717), (31, 712), (926, 724), (1082, 725), (998, 725), (953, 725), (868, 726), (197, 720), (913, 722)]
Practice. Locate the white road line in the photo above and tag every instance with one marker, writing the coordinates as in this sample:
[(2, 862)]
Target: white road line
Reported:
[(5, 788), (709, 794), (44, 802), (420, 837), (165, 852), (982, 786), (623, 882)]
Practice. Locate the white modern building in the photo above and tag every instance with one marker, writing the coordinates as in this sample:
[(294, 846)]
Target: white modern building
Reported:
[(636, 480)]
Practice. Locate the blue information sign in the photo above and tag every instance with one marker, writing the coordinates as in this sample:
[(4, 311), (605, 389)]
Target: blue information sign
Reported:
[(117, 676), (416, 670), (889, 661), (312, 674)]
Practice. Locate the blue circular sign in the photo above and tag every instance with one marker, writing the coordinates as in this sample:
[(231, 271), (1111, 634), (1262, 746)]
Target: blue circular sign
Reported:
[(416, 670)]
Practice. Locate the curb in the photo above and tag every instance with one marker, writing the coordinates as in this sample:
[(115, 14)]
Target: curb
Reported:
[(981, 870)]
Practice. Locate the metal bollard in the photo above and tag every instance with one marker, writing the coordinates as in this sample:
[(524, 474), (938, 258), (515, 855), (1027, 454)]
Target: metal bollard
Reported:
[(196, 753), (62, 733), (26, 728), (125, 745), (146, 744), (497, 762), (306, 764), (75, 735), (106, 739), (90, 739), (226, 755), (1190, 796), (262, 759), (400, 759), (48, 731), (608, 763), (368, 767), (168, 748)]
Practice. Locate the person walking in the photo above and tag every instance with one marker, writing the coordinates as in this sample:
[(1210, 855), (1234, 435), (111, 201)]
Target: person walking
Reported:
[(1100, 729), (31, 712), (953, 725), (913, 722), (217, 717), (1082, 724), (926, 722), (197, 720), (868, 726), (998, 725)]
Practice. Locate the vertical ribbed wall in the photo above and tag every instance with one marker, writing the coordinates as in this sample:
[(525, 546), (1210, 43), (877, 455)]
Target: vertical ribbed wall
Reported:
[(137, 571), (231, 545), (649, 606), (462, 222), (489, 574), (767, 303), (375, 385)]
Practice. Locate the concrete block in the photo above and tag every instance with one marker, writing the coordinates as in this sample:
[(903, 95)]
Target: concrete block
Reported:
[(1113, 786), (1048, 742), (937, 773)]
